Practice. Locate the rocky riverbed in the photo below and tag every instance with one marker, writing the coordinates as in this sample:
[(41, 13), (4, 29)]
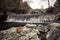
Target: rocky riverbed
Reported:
[(32, 32)]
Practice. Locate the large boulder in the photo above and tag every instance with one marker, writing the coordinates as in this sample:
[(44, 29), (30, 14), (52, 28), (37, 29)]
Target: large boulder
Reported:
[(54, 33)]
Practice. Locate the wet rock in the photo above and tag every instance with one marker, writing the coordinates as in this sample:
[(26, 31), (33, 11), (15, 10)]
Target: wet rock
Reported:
[(32, 32), (27, 34), (54, 32)]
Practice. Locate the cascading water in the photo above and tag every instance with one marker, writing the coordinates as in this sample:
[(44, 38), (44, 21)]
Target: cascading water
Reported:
[(31, 18)]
